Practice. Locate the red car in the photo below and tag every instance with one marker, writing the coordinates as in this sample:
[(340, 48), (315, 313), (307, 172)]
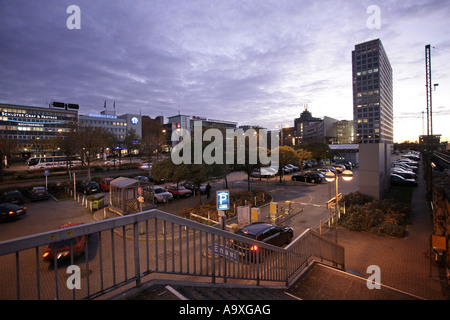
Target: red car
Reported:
[(180, 192), (63, 246), (104, 184)]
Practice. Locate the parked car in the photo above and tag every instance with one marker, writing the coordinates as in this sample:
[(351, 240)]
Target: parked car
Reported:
[(63, 246), (89, 187), (264, 232), (294, 168), (14, 196), (339, 168), (264, 173), (397, 180), (191, 186), (39, 193), (312, 176), (142, 178), (404, 166), (156, 181), (180, 192), (10, 211), (161, 194), (104, 184), (331, 168), (287, 169)]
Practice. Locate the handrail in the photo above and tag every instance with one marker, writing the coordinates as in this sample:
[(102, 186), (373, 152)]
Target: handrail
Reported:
[(178, 247)]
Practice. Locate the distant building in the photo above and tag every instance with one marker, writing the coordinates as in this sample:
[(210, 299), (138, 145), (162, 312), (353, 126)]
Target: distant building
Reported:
[(187, 123), (118, 125), (372, 93), (308, 128), (345, 132), (35, 128)]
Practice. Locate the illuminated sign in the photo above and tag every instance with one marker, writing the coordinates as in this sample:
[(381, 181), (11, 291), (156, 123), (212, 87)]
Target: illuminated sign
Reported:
[(104, 116), (223, 200), (134, 120)]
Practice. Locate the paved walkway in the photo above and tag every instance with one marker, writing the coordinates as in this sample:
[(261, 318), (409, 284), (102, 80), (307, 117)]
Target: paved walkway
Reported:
[(404, 263)]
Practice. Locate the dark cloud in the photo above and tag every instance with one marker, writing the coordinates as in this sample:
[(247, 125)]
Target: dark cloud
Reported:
[(254, 62)]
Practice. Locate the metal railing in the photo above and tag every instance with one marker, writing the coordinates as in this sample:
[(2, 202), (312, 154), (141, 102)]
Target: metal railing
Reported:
[(123, 250)]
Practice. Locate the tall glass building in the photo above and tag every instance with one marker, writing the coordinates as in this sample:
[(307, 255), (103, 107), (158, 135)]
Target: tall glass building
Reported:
[(372, 93)]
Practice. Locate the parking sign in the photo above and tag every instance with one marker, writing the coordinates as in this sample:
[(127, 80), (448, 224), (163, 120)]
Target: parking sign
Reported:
[(223, 200)]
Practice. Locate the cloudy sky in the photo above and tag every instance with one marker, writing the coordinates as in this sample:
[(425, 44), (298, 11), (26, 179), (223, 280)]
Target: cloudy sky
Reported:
[(253, 62)]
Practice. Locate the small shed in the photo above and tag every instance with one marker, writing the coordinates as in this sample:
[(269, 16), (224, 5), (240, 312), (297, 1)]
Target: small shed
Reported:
[(124, 195)]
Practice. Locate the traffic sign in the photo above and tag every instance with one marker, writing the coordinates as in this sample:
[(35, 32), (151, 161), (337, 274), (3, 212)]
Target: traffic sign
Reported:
[(46, 172), (223, 200)]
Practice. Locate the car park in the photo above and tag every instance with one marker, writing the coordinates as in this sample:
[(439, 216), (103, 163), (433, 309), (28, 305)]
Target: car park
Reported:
[(311, 176), (89, 187), (161, 195), (10, 211), (63, 247), (13, 196), (39, 193), (178, 192), (104, 184), (397, 180)]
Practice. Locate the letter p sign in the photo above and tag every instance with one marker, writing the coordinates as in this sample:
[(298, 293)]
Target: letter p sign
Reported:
[(223, 200)]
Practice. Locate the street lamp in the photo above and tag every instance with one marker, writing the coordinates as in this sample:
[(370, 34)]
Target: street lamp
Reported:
[(347, 175)]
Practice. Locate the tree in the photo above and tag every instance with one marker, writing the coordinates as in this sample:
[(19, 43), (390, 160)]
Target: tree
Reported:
[(153, 137), (7, 148), (91, 141), (319, 150), (131, 141), (68, 144), (303, 155), (287, 155), (166, 169)]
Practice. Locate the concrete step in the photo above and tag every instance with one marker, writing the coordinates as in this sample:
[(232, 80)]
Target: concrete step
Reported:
[(231, 293)]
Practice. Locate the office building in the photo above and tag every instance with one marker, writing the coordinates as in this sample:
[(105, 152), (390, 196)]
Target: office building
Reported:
[(310, 129), (372, 93), (35, 128), (118, 125), (373, 116)]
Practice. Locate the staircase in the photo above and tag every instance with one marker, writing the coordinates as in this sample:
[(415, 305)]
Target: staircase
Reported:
[(232, 293)]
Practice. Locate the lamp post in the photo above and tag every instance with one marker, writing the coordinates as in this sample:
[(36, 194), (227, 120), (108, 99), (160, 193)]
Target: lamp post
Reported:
[(347, 175)]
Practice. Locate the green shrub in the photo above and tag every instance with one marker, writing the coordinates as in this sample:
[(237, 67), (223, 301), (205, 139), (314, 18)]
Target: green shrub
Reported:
[(384, 217)]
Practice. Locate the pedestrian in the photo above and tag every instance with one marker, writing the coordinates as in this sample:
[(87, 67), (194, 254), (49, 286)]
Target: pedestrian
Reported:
[(208, 191)]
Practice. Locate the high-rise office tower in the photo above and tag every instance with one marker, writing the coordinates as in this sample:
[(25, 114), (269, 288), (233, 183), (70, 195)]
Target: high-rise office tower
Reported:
[(372, 93)]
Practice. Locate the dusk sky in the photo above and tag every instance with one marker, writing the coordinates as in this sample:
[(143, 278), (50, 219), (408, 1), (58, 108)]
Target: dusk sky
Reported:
[(253, 62)]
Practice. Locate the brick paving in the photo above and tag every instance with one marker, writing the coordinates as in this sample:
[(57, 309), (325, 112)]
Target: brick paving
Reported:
[(404, 263)]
